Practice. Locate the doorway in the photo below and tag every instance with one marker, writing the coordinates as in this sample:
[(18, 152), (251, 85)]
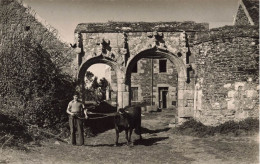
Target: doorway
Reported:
[(163, 92)]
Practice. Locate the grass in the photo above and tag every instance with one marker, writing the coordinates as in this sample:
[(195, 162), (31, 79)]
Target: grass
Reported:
[(195, 128)]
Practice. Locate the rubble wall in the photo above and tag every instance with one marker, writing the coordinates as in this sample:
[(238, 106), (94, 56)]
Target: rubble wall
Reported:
[(227, 75)]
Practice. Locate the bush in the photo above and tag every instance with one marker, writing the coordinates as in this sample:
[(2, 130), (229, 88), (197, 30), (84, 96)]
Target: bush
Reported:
[(33, 86), (13, 129)]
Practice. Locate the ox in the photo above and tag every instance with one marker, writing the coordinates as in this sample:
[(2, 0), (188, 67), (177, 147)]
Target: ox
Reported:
[(128, 119)]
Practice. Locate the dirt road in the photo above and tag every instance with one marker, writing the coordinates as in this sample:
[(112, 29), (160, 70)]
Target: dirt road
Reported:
[(160, 145)]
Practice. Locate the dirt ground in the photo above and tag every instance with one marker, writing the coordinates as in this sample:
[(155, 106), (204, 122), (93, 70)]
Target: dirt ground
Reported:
[(160, 144)]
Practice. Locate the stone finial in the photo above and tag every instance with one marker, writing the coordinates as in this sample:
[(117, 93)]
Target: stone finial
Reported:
[(78, 43), (79, 39), (125, 39), (125, 36), (188, 66), (125, 50), (183, 39)]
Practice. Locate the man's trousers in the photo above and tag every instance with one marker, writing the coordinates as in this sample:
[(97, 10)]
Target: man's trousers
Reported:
[(76, 124)]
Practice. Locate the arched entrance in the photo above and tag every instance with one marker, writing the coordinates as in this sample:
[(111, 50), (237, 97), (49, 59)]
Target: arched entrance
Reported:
[(99, 60), (184, 86)]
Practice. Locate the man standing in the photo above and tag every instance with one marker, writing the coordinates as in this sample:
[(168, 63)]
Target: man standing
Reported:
[(76, 113)]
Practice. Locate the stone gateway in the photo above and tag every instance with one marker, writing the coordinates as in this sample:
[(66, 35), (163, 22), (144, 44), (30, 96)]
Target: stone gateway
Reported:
[(207, 74)]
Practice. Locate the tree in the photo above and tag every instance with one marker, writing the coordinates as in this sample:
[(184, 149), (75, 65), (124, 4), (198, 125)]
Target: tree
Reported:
[(89, 75), (103, 83), (95, 84), (94, 90)]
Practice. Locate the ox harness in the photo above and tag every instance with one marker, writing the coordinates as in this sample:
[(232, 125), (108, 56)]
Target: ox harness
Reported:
[(93, 113), (104, 115)]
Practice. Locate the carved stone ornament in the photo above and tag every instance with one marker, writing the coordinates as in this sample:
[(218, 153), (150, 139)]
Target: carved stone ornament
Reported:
[(157, 39), (105, 46)]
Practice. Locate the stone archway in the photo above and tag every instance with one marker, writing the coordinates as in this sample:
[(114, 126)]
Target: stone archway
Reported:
[(185, 86), (100, 60)]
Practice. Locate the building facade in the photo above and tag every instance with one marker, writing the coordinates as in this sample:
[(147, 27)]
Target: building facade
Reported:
[(153, 83)]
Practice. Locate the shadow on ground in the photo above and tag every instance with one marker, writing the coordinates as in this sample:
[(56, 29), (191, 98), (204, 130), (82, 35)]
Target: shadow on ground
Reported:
[(103, 145), (145, 130), (144, 142), (149, 141)]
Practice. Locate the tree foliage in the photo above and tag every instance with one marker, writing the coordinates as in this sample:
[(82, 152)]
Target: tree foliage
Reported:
[(94, 90), (103, 83)]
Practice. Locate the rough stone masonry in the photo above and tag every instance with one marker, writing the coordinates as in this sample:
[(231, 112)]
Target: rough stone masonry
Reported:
[(216, 70)]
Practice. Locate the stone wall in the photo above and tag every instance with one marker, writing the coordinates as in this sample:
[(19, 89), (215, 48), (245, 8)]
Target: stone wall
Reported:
[(227, 69)]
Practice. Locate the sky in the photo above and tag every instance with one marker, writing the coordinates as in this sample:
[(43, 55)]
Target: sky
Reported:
[(64, 15)]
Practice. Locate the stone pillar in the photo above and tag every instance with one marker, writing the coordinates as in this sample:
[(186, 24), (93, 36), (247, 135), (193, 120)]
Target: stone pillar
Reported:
[(126, 98), (122, 96), (79, 48), (185, 100), (197, 99), (107, 93), (120, 91)]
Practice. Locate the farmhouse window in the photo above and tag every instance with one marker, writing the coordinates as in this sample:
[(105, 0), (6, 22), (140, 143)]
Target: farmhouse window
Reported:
[(162, 66), (134, 93)]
